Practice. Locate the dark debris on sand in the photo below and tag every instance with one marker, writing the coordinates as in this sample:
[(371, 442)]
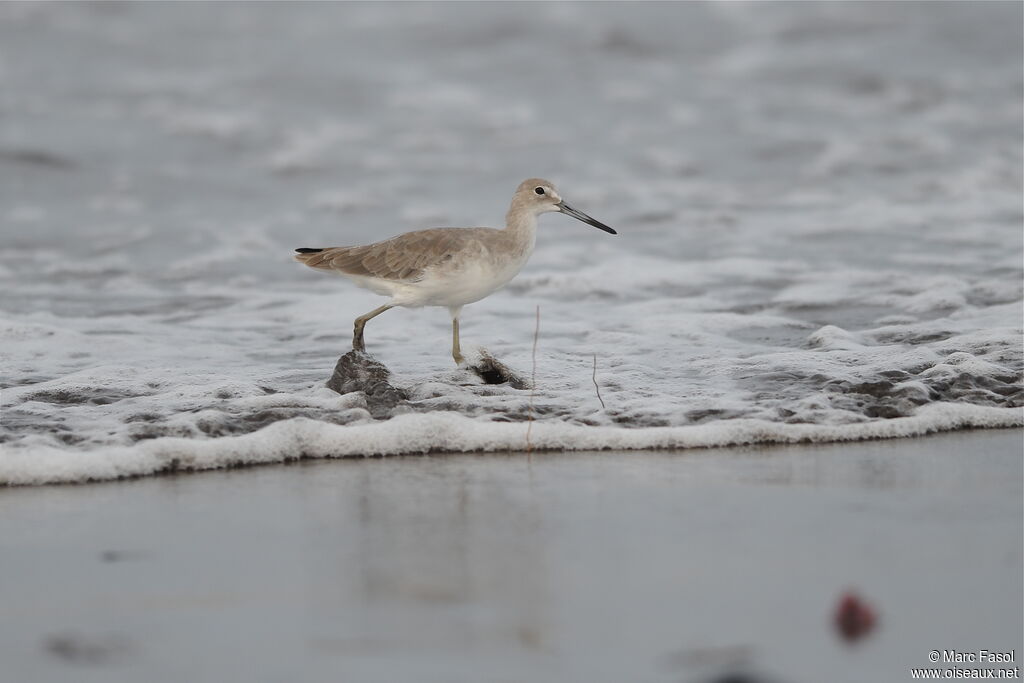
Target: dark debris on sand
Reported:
[(89, 650), (493, 371), (359, 371)]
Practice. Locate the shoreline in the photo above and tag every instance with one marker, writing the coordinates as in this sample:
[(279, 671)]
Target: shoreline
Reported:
[(451, 433)]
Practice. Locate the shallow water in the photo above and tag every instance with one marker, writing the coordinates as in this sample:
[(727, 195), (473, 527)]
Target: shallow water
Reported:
[(819, 210)]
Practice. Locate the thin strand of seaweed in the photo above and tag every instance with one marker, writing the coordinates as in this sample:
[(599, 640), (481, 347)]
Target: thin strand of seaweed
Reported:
[(533, 383), (593, 378)]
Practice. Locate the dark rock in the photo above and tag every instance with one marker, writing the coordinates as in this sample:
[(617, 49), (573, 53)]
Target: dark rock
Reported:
[(358, 371), (493, 371)]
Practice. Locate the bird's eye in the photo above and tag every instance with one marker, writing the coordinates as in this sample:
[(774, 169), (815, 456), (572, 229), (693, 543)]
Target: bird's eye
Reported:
[(539, 190)]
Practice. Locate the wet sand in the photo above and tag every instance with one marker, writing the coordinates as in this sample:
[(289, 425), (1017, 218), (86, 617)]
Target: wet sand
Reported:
[(560, 567)]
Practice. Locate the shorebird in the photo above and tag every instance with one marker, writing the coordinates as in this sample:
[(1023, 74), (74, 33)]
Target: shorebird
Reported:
[(448, 267)]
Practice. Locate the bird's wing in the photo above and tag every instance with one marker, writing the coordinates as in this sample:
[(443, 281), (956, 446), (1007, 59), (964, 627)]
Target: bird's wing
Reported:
[(401, 258)]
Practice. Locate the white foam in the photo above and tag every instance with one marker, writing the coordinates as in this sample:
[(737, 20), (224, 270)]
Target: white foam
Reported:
[(301, 438)]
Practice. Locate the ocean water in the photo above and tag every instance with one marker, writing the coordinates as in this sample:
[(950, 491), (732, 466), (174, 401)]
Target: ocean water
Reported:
[(819, 208)]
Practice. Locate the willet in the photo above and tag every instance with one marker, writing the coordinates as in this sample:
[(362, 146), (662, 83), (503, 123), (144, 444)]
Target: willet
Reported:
[(448, 267)]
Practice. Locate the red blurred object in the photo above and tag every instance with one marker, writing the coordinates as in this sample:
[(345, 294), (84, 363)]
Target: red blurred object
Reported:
[(854, 618)]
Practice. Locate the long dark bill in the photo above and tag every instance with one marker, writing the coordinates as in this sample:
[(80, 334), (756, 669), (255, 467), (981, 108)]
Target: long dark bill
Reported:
[(579, 215)]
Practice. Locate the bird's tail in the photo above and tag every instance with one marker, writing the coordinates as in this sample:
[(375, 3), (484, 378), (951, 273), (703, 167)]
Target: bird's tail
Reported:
[(347, 260), (308, 256)]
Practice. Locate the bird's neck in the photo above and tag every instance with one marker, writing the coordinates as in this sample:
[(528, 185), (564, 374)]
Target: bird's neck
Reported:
[(521, 223), (521, 226)]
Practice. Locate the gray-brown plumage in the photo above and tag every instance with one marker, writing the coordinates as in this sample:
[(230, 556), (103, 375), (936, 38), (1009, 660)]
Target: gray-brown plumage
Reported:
[(448, 267), (402, 258)]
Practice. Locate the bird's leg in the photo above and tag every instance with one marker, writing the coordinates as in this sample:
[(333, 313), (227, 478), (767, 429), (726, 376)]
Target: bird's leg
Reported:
[(456, 351), (357, 335)]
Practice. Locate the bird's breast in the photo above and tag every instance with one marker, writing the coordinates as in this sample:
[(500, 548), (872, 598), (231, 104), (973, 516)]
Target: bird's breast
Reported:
[(472, 277)]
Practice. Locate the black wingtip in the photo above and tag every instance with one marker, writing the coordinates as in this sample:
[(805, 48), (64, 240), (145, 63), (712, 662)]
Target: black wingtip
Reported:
[(307, 250)]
